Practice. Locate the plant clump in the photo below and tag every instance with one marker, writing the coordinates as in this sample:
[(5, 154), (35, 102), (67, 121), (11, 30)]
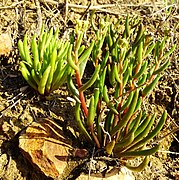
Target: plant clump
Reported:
[(127, 63), (44, 65)]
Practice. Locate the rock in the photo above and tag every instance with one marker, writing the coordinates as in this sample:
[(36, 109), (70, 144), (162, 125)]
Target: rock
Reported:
[(5, 44), (45, 146)]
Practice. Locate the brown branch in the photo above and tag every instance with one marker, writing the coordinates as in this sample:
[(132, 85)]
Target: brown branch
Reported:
[(39, 14), (81, 95), (79, 82)]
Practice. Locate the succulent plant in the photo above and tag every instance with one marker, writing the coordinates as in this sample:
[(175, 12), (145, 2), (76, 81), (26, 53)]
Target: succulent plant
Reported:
[(44, 65), (128, 63)]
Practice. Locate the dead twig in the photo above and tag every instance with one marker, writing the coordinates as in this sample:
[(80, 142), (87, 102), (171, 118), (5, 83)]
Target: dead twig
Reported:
[(97, 8), (171, 132), (168, 152), (92, 7), (159, 11), (13, 5), (14, 101), (91, 161), (49, 1), (66, 11), (39, 14)]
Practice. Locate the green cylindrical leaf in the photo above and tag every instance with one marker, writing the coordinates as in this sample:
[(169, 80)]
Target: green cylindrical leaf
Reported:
[(153, 133), (162, 45), (112, 108), (42, 32), (27, 76), (110, 41), (80, 124), (96, 97), (140, 53), (105, 94), (142, 126), (61, 78), (62, 52), (109, 147), (128, 101), (56, 33), (125, 142), (91, 113), (150, 71), (104, 61), (149, 50), (128, 115), (156, 52), (142, 80), (162, 67), (86, 54), (101, 40), (23, 65), (116, 73), (109, 121), (42, 46), (127, 28), (140, 33), (52, 70), (93, 78), (126, 76), (35, 53), (169, 52), (99, 129), (58, 70), (81, 49), (49, 37), (140, 167), (79, 40), (137, 121), (139, 102), (70, 59), (43, 81), (82, 61), (34, 76), (145, 152), (142, 70), (132, 128), (102, 77), (112, 75), (143, 134), (21, 50), (150, 87), (125, 66), (26, 50), (72, 87)]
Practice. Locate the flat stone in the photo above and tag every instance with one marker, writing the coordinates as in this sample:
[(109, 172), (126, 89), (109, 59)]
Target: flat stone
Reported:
[(45, 146)]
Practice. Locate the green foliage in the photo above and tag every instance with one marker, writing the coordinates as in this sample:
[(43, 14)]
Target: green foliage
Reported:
[(44, 65), (128, 64)]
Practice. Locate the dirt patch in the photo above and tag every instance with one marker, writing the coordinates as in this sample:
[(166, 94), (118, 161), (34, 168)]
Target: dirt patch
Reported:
[(20, 105)]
